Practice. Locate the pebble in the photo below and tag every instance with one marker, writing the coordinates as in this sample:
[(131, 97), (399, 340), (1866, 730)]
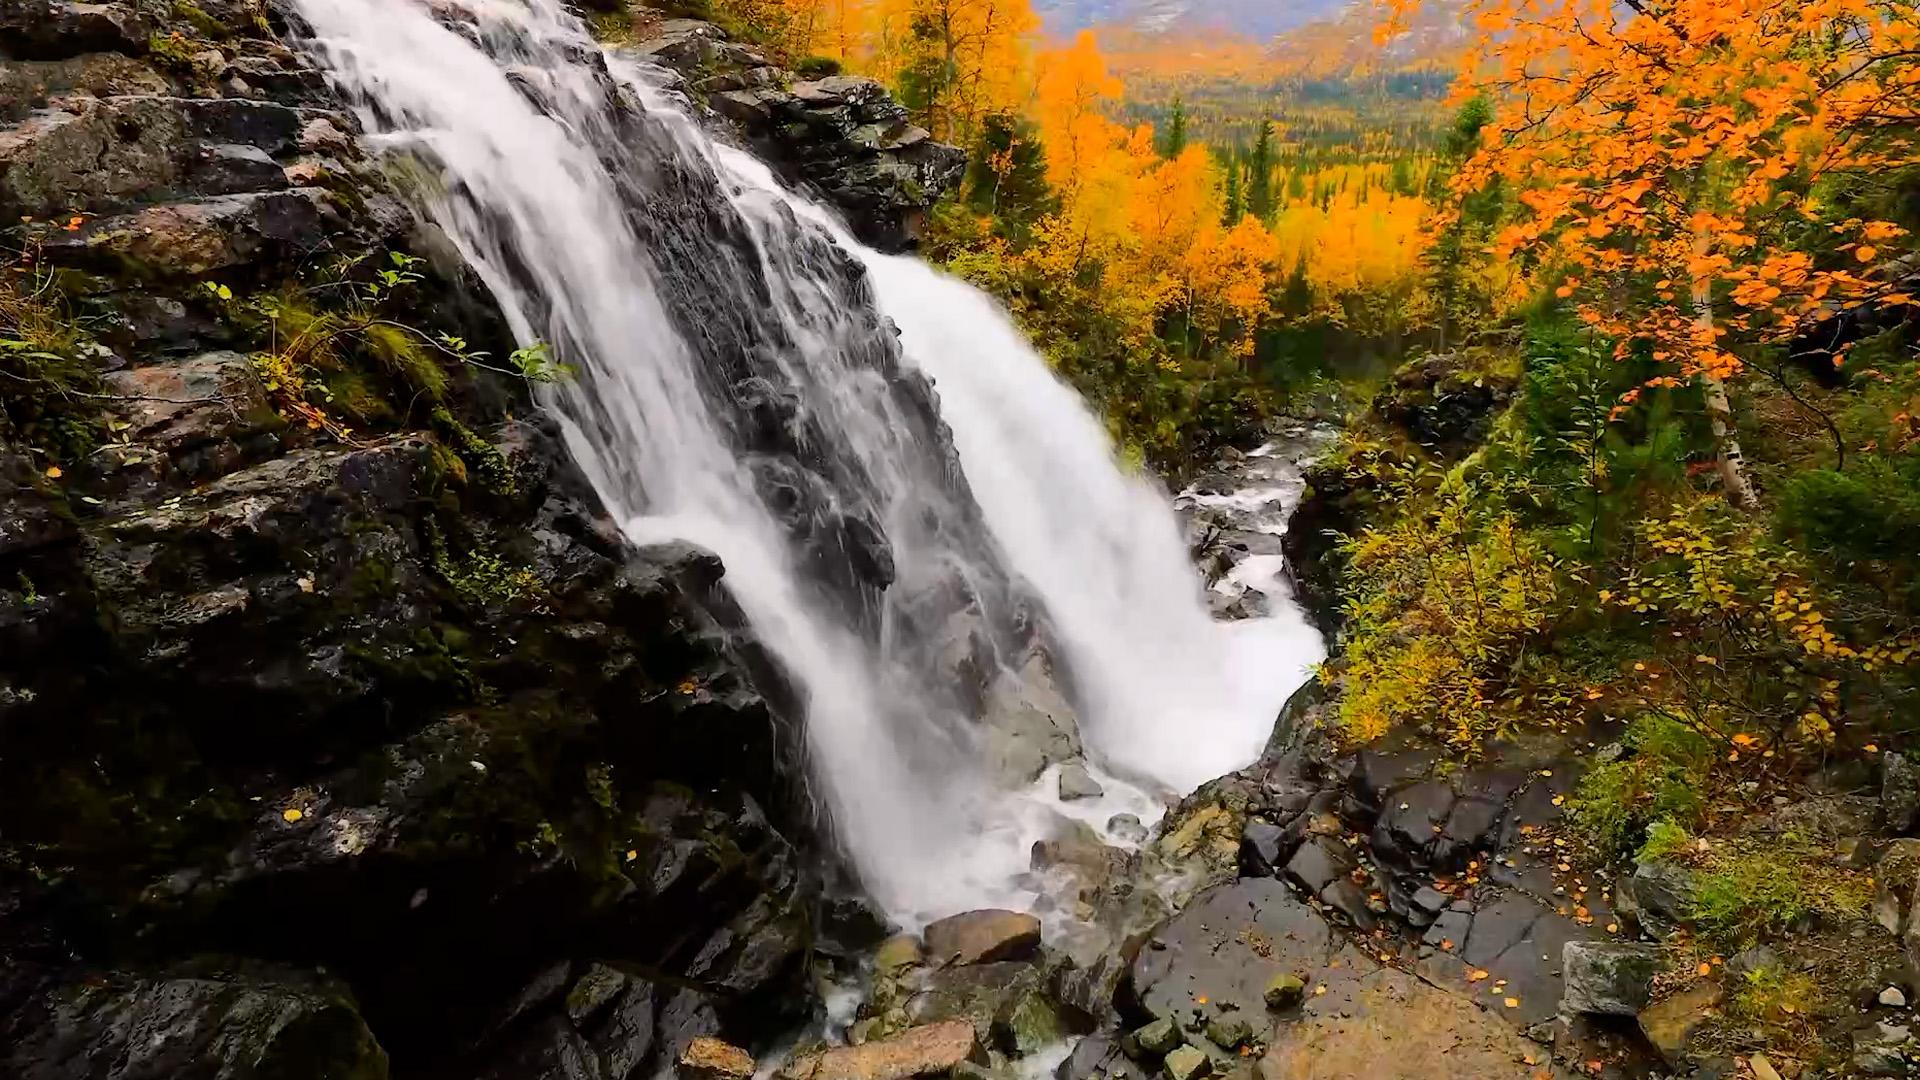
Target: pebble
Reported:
[(1893, 998)]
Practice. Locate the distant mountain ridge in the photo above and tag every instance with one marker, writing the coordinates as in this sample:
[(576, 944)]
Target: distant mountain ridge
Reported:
[(1257, 19)]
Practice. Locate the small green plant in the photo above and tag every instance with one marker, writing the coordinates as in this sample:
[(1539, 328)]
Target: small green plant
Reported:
[(321, 336), (1665, 841), (535, 362), (1771, 994), (481, 577), (1442, 604), (49, 393)]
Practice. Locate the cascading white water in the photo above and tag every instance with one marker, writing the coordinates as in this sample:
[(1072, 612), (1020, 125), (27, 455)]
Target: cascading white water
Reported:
[(735, 390)]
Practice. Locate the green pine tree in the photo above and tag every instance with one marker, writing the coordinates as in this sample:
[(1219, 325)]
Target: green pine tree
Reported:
[(1260, 173), (1174, 138), (1235, 209)]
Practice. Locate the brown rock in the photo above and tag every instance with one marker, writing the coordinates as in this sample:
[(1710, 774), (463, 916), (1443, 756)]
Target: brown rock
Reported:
[(195, 238), (1669, 1024), (707, 1058), (981, 937), (1396, 1027), (930, 1050), (197, 400)]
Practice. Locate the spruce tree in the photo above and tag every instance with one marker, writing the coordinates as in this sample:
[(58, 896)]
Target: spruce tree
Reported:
[(1234, 210), (1260, 173), (1174, 138)]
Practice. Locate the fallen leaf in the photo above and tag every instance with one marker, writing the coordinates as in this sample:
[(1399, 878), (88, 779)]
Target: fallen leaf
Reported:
[(1706, 969), (1476, 975), (53, 472), (291, 814), (1513, 1003)]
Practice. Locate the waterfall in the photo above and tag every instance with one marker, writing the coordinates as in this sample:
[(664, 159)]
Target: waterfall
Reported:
[(905, 522)]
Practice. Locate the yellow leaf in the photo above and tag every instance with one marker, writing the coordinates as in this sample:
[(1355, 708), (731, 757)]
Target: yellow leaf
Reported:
[(53, 472), (291, 814), (1865, 253), (1513, 1003)]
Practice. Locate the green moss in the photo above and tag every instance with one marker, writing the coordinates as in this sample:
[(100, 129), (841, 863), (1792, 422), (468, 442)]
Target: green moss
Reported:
[(436, 657), (173, 50), (403, 355), (1753, 890), (480, 577), (352, 393), (200, 20), (482, 459)]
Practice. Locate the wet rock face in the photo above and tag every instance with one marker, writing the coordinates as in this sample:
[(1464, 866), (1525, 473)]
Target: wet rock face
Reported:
[(258, 1023), (842, 136), (401, 708), (1224, 949)]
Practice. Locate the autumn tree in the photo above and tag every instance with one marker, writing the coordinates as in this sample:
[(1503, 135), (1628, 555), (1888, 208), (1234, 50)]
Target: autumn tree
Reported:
[(959, 59), (1679, 159), (1006, 173)]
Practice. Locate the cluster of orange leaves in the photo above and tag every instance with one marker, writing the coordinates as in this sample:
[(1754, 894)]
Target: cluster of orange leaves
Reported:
[(972, 57), (1663, 146)]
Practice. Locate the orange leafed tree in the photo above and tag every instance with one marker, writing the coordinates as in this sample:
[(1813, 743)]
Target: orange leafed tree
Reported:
[(1677, 158), (954, 60)]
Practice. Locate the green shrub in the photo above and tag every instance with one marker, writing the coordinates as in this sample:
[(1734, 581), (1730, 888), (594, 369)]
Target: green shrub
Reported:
[(817, 67), (1763, 890), (1657, 780), (1665, 840)]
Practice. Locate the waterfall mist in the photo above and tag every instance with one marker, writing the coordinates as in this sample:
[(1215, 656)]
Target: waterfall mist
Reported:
[(905, 522)]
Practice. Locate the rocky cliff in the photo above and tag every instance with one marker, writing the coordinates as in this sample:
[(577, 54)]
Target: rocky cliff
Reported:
[(342, 735)]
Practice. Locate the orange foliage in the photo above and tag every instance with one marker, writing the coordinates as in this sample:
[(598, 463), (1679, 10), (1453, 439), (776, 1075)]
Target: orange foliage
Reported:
[(1150, 228), (1675, 154), (963, 58)]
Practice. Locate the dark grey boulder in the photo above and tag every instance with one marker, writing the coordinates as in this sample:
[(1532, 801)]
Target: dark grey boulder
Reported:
[(257, 1021), (1608, 978)]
